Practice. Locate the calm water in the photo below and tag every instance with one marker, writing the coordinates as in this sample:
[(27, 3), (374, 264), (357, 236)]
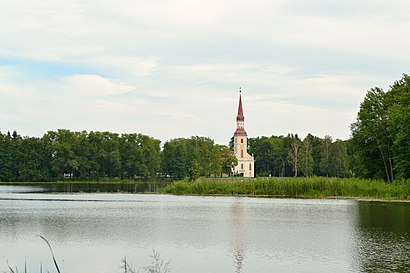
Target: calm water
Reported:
[(94, 232)]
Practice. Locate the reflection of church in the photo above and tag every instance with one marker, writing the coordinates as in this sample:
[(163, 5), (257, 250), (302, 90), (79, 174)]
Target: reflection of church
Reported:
[(246, 161), (239, 235)]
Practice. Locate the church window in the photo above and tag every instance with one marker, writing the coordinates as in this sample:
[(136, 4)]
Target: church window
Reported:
[(241, 153), (242, 166), (241, 140), (250, 166)]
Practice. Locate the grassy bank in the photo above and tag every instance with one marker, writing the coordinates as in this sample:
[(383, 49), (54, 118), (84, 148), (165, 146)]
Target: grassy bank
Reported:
[(91, 182), (315, 187)]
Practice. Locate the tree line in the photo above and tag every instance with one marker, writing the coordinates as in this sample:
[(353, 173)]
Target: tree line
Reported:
[(78, 155), (96, 155), (281, 156), (64, 154), (379, 149)]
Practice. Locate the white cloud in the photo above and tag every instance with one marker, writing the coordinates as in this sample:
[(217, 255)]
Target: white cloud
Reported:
[(92, 85), (127, 65), (6, 88), (172, 68)]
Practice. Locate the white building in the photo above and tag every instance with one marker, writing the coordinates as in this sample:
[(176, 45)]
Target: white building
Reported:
[(246, 161)]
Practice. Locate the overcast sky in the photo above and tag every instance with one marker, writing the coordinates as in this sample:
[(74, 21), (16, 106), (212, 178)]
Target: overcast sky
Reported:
[(173, 69)]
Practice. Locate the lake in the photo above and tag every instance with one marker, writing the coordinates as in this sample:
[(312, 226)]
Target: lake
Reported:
[(93, 232)]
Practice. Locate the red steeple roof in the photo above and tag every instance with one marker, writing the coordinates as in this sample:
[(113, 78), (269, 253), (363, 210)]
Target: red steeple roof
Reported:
[(240, 119), (240, 116)]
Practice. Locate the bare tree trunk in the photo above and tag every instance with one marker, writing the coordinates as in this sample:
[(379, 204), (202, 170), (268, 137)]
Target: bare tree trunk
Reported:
[(386, 168)]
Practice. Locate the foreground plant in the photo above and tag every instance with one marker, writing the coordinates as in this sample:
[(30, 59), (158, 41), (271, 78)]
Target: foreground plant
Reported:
[(158, 265), (15, 270)]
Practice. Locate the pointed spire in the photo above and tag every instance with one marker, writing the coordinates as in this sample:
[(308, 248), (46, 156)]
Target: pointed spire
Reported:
[(240, 116), (240, 119)]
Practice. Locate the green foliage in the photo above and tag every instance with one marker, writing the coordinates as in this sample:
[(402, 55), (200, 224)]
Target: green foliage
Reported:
[(338, 159), (140, 156), (226, 160), (78, 155), (196, 157), (381, 134), (400, 125), (306, 157), (22, 159), (265, 150), (295, 153), (271, 155), (280, 156), (7, 151), (325, 160)]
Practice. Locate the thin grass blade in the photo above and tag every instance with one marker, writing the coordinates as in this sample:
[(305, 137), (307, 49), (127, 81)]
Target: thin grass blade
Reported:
[(11, 269), (52, 254)]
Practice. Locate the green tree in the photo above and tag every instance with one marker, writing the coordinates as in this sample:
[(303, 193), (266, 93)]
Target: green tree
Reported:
[(109, 157), (140, 156), (30, 158), (194, 157), (152, 154), (325, 161), (6, 157), (81, 147), (399, 125), (60, 147), (271, 155), (316, 143), (223, 160), (306, 158), (175, 158), (263, 149), (338, 166), (373, 138), (295, 153), (132, 157)]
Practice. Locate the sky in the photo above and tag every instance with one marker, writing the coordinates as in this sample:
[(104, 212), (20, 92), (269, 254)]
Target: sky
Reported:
[(172, 69)]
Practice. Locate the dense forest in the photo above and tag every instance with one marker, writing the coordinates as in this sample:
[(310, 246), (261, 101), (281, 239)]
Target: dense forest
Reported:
[(291, 156), (96, 155), (77, 155), (379, 148)]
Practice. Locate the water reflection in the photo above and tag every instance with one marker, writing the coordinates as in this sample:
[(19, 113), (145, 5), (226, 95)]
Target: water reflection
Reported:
[(239, 228), (140, 187), (383, 237), (241, 235)]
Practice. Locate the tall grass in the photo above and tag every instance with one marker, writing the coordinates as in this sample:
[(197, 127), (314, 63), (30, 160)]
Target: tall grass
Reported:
[(314, 187)]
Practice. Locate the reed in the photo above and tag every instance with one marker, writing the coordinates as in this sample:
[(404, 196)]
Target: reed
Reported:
[(158, 265), (313, 187), (15, 270)]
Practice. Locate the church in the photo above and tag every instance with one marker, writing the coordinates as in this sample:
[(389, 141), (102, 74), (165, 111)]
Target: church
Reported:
[(246, 162)]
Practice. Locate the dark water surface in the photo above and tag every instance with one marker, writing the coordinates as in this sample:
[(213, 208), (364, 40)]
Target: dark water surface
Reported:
[(94, 232)]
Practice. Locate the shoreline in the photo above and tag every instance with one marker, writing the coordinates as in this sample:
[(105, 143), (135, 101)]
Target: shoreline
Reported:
[(289, 188), (346, 198)]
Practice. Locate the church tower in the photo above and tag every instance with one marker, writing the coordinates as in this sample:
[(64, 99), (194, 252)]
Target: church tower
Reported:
[(246, 161)]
